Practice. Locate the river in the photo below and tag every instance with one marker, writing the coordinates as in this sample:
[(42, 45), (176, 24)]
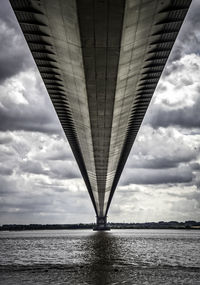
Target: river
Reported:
[(87, 257)]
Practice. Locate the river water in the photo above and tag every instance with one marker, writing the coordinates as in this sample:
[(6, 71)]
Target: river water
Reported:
[(87, 257)]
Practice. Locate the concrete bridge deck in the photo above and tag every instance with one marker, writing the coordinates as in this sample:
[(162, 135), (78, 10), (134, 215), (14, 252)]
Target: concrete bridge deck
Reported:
[(100, 61)]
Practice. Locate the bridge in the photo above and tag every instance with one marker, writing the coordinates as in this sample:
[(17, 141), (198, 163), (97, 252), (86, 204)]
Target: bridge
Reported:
[(100, 61)]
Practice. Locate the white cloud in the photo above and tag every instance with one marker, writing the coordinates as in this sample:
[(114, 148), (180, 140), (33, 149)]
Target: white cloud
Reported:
[(155, 203), (178, 88)]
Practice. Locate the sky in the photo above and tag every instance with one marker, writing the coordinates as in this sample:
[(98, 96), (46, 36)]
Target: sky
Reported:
[(39, 179)]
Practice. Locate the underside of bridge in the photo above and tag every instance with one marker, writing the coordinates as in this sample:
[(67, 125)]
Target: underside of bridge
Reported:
[(100, 61)]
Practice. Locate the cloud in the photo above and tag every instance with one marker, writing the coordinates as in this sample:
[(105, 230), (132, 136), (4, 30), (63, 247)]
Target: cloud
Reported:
[(14, 55), (8, 17), (40, 180), (33, 167), (37, 202), (55, 170), (5, 170), (163, 158), (162, 148), (194, 195), (195, 166), (60, 150), (185, 117), (25, 105), (155, 203), (39, 186), (5, 138), (157, 176), (189, 36), (176, 101), (64, 170)]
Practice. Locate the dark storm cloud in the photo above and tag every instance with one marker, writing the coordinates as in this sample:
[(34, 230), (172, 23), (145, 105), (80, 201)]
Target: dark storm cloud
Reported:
[(33, 167), (161, 149), (26, 205), (5, 170), (62, 154), (14, 53), (195, 166), (62, 169), (178, 91), (25, 105), (7, 15), (24, 118), (8, 186), (161, 156), (162, 162), (7, 155), (41, 204), (184, 117), (158, 176), (15, 58), (65, 173), (56, 170)]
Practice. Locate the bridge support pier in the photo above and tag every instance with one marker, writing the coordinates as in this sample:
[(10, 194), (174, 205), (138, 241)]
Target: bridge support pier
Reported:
[(101, 224)]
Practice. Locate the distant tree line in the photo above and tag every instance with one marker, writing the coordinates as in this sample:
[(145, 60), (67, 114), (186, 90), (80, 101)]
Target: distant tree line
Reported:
[(15, 227), (149, 225), (159, 225)]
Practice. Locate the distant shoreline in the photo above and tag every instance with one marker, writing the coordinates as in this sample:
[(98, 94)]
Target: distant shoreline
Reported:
[(188, 225)]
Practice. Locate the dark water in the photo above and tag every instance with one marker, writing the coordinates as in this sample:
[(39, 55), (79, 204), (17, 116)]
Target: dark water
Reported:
[(86, 257)]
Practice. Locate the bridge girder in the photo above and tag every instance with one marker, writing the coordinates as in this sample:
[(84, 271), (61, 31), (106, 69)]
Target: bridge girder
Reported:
[(100, 62)]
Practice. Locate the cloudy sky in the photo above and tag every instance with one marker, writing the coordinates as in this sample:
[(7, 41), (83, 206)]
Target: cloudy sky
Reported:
[(39, 179)]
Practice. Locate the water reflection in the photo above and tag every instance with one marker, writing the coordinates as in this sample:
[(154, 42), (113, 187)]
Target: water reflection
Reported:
[(104, 252)]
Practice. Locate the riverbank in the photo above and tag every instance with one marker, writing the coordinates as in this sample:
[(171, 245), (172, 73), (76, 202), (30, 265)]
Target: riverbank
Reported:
[(150, 225)]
